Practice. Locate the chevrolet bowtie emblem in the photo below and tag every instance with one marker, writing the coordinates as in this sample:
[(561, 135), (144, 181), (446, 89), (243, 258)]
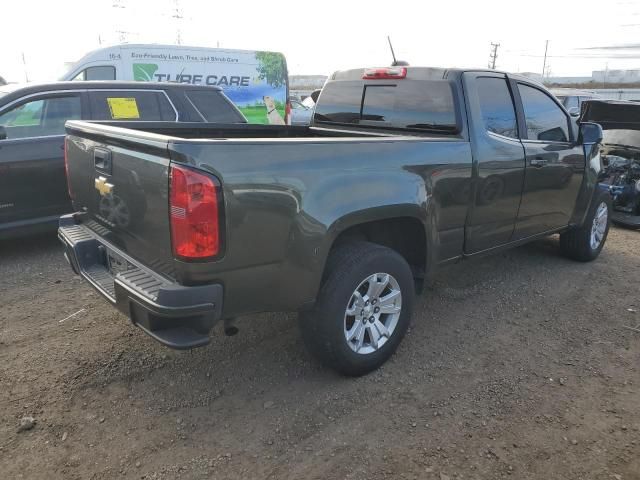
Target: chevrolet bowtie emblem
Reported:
[(103, 187)]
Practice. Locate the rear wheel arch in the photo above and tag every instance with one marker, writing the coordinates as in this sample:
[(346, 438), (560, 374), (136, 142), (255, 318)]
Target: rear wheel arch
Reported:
[(405, 234)]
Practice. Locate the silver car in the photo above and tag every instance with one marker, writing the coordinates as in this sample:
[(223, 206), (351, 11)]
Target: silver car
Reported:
[(300, 113)]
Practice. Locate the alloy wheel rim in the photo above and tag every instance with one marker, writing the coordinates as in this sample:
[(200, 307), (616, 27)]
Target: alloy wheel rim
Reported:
[(599, 226), (372, 313)]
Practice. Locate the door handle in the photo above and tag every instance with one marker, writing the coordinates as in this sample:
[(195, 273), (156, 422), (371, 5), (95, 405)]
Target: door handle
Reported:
[(538, 162)]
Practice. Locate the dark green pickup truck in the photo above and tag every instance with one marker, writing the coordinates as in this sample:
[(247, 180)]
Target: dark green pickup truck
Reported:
[(402, 170)]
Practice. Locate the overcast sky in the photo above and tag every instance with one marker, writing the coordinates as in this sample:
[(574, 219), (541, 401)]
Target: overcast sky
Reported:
[(326, 35)]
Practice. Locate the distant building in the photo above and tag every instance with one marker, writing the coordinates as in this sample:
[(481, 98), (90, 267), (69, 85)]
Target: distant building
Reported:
[(598, 77), (567, 80), (616, 76), (306, 82), (533, 76), (2, 81), (301, 86)]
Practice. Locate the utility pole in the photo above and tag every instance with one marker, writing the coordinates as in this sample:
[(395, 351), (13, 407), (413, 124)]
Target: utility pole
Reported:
[(493, 56), (24, 62), (178, 16), (544, 64)]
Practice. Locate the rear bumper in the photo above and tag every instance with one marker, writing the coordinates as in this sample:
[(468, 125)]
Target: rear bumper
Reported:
[(176, 316)]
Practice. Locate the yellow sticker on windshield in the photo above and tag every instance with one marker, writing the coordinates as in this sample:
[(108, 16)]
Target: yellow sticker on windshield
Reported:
[(123, 108)]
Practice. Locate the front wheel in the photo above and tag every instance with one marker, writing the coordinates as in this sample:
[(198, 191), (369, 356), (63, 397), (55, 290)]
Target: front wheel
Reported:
[(363, 309), (585, 243)]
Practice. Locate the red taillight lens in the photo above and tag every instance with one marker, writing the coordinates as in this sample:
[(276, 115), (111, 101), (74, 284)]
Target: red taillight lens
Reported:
[(195, 215), (384, 73), (66, 169), (287, 113)]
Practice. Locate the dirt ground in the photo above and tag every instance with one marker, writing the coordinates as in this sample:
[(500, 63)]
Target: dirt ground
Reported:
[(517, 365)]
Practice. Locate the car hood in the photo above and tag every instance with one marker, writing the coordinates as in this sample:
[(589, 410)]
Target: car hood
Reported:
[(611, 114), (620, 122)]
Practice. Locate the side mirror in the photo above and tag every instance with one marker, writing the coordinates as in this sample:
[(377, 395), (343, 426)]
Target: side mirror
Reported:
[(574, 111), (3, 133), (590, 133)]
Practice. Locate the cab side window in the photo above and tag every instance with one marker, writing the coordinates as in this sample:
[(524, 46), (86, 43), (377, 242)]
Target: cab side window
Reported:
[(545, 120), (42, 117), (496, 105)]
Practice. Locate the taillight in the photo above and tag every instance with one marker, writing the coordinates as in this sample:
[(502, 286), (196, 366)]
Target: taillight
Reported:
[(66, 169), (195, 214), (384, 73), (287, 113)]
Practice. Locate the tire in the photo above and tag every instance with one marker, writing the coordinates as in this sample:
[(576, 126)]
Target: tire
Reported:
[(360, 268), (578, 243)]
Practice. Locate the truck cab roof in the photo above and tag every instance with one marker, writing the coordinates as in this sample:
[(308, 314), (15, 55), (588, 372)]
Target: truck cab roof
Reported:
[(424, 73)]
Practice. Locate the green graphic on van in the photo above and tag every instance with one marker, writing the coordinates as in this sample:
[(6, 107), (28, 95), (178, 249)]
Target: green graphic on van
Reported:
[(143, 72), (272, 68)]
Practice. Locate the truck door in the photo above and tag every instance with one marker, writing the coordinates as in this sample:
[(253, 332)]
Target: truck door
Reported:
[(32, 178), (555, 163), (498, 161)]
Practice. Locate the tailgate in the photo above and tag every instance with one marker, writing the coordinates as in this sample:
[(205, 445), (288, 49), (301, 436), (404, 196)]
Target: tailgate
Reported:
[(120, 179)]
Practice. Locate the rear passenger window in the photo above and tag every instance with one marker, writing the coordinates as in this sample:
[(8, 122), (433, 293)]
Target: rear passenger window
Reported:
[(213, 106), (140, 105), (496, 106), (545, 120)]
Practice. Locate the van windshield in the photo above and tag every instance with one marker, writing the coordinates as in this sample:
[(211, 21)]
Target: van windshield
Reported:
[(404, 104)]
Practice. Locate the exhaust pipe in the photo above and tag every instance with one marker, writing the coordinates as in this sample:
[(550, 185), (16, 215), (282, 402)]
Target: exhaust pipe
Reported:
[(230, 328)]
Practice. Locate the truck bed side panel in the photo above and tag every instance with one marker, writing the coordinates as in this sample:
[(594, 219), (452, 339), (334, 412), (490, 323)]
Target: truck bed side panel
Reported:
[(283, 210)]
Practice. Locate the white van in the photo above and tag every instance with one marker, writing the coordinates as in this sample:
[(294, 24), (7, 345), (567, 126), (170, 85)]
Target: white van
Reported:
[(247, 77)]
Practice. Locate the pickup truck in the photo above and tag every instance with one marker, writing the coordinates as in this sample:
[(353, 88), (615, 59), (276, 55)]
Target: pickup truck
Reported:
[(403, 170)]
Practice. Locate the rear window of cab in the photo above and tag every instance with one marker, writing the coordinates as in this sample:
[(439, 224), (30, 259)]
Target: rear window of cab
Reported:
[(404, 104)]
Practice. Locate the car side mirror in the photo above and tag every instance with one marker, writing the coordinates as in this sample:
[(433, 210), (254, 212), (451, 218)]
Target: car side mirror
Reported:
[(590, 133), (3, 133), (574, 111)]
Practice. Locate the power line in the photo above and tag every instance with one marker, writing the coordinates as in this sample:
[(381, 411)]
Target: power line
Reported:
[(493, 56)]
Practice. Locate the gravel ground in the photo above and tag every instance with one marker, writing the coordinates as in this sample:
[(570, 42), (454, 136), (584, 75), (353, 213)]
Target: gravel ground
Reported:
[(517, 365)]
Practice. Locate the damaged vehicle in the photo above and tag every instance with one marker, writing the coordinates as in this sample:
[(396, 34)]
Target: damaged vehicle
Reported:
[(620, 153)]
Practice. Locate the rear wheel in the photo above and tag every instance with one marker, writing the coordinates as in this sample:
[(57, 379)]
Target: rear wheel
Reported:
[(363, 309), (585, 243)]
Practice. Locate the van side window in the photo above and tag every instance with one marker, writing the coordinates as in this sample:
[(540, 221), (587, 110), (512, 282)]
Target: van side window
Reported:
[(141, 105), (41, 118), (496, 106), (106, 72), (545, 120)]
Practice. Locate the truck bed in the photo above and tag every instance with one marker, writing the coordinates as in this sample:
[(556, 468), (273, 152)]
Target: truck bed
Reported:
[(282, 187)]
